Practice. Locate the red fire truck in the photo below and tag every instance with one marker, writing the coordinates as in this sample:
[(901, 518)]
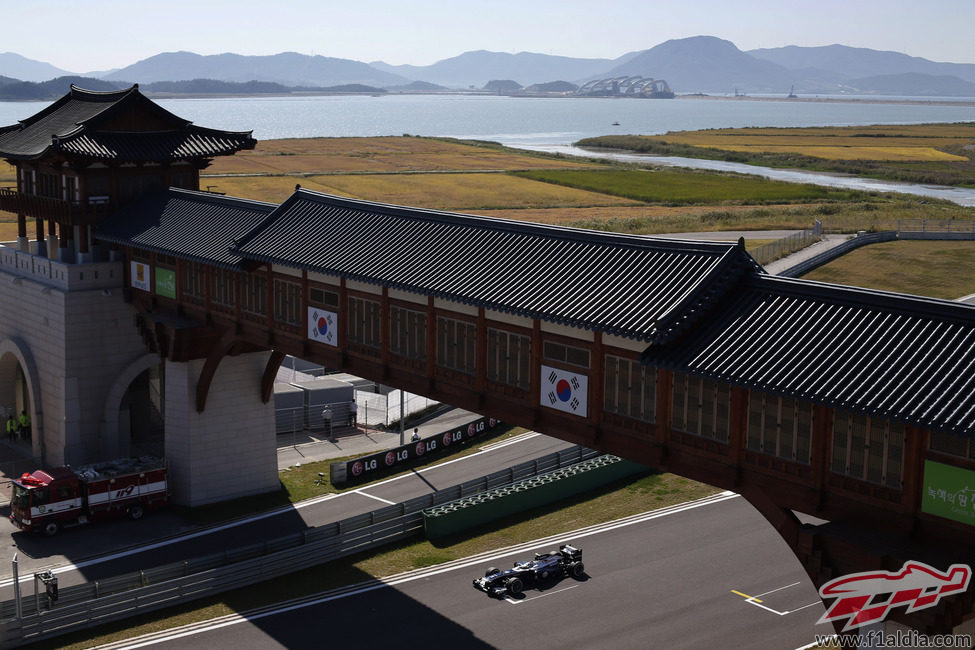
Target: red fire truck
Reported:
[(47, 500)]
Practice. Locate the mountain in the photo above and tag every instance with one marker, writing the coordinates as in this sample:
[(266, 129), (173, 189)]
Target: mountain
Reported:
[(912, 84), (476, 68), (845, 62), (24, 69), (53, 89), (287, 68), (705, 64)]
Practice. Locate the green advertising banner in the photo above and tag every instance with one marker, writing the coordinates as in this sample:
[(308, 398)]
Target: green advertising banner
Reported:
[(166, 283), (949, 492)]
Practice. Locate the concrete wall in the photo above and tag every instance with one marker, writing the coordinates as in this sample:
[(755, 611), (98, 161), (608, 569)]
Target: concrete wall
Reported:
[(229, 450), (72, 333)]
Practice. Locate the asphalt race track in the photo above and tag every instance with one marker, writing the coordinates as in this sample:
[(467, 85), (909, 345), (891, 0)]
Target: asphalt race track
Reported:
[(712, 576), (106, 549)]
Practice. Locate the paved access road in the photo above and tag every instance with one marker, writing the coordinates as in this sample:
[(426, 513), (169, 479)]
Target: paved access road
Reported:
[(112, 548), (712, 576)]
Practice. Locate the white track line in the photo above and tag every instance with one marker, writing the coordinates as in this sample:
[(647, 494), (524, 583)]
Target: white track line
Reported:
[(372, 585)]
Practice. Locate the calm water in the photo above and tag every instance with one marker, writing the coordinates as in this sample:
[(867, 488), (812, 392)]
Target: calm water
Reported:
[(518, 121)]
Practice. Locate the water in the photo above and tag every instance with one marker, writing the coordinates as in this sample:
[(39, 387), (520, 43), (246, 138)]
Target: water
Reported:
[(519, 121), (551, 122)]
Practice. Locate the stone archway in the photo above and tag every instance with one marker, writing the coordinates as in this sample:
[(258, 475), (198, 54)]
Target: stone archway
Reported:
[(115, 437), (15, 354)]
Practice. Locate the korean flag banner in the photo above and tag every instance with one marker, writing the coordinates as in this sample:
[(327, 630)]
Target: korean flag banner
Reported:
[(565, 390), (323, 326)]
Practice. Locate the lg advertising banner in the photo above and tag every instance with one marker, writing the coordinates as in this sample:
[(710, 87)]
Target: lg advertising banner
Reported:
[(323, 326), (140, 276), (398, 458), (565, 390), (949, 492)]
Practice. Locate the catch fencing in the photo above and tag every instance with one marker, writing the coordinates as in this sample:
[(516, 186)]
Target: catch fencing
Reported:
[(779, 248), (94, 603)]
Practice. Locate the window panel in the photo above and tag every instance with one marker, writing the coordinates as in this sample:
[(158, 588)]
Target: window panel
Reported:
[(786, 429), (756, 414), (456, 344), (840, 441), (895, 455)]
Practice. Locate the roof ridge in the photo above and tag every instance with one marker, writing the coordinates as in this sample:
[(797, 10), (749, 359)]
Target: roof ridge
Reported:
[(220, 198), (865, 297)]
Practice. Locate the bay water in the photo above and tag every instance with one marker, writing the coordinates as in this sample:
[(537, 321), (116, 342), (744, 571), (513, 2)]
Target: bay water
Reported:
[(516, 121)]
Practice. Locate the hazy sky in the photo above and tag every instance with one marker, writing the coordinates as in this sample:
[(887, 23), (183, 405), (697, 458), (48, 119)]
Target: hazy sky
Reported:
[(89, 35)]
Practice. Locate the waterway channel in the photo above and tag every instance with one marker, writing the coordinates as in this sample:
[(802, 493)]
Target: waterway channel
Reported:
[(960, 195)]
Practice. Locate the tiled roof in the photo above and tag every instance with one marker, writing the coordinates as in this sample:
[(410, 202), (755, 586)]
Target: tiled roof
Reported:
[(632, 286), (196, 226), (80, 125), (897, 356)]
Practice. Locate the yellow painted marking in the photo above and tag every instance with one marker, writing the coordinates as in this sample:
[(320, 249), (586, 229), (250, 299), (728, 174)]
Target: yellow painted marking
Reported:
[(746, 596)]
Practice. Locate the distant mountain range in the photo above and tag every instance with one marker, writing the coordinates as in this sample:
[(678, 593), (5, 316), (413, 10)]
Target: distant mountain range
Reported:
[(700, 64)]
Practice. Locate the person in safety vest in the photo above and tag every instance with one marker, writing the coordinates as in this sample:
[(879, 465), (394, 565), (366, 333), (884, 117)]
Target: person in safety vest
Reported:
[(24, 430), (11, 427)]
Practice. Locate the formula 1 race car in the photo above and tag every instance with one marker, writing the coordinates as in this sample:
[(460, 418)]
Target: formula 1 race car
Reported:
[(567, 561)]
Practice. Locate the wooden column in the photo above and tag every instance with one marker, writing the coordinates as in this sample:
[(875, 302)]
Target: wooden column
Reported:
[(597, 385), (819, 449), (915, 442), (737, 423), (480, 356)]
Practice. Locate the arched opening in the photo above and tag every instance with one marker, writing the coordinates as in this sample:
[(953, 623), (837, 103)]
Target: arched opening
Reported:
[(15, 404), (141, 412), (20, 399), (133, 422)]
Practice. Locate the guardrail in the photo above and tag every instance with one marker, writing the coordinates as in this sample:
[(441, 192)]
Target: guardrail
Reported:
[(935, 225), (103, 601), (862, 239)]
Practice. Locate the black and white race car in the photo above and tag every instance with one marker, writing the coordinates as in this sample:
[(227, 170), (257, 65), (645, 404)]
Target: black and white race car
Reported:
[(546, 567)]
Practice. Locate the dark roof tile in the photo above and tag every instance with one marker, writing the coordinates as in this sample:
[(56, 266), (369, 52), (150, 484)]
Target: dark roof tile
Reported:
[(196, 226), (80, 125), (627, 285), (893, 355)]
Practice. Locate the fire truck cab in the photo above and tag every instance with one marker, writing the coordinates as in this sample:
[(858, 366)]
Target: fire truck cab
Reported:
[(47, 500)]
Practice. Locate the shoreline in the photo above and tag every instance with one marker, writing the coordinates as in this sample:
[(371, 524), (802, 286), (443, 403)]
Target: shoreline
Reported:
[(853, 99)]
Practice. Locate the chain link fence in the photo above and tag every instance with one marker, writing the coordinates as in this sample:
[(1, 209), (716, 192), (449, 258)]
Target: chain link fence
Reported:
[(787, 245)]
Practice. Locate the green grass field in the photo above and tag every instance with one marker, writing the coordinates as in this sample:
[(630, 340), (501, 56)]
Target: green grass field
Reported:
[(685, 187)]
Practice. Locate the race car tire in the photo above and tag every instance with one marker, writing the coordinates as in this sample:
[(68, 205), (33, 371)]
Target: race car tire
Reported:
[(136, 511), (490, 572), (51, 528), (514, 586), (577, 570)]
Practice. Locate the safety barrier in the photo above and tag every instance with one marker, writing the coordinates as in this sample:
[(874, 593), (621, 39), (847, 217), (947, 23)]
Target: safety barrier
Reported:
[(87, 605), (862, 239), (534, 492)]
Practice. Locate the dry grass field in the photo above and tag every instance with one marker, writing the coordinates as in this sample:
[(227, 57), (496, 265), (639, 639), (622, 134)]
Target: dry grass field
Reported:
[(836, 151), (382, 154), (440, 191), (923, 142), (940, 269)]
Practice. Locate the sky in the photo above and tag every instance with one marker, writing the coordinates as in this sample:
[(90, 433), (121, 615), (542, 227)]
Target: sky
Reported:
[(94, 35)]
